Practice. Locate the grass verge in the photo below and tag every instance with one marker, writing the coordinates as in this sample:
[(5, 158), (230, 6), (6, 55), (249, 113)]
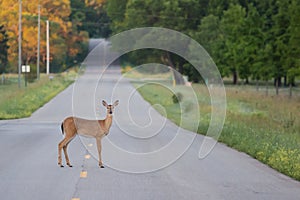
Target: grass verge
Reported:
[(19, 103), (265, 127)]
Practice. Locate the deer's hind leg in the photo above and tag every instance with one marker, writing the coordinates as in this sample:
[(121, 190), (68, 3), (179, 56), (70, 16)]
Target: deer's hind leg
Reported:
[(60, 146), (66, 153)]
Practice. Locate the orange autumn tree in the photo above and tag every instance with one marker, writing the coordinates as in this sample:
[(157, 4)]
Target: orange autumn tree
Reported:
[(9, 19), (64, 38)]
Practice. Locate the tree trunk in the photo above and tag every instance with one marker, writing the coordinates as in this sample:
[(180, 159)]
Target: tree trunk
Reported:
[(180, 68), (235, 77), (257, 85), (277, 82), (291, 86), (285, 83), (267, 88), (177, 76), (247, 81), (293, 82)]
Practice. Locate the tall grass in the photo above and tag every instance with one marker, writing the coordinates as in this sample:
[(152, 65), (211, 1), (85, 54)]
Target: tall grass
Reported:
[(265, 127), (22, 102)]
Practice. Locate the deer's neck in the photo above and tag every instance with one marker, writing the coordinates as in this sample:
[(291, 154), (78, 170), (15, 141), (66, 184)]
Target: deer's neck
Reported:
[(107, 122)]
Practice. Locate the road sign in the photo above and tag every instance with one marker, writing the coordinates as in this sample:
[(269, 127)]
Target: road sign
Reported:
[(26, 68)]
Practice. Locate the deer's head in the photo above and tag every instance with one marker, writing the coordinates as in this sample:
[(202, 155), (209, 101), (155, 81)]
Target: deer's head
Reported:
[(110, 107)]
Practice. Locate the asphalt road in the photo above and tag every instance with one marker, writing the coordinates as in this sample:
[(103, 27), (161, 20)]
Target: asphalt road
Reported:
[(29, 170)]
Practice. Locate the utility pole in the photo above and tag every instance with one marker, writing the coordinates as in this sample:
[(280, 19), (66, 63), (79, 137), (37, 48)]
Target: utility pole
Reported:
[(20, 43), (38, 45), (48, 49)]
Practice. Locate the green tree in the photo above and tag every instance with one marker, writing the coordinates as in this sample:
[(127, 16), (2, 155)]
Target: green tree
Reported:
[(293, 61), (181, 15), (246, 38), (280, 45), (253, 45), (217, 7), (116, 10), (90, 17), (231, 25), (210, 36), (209, 33)]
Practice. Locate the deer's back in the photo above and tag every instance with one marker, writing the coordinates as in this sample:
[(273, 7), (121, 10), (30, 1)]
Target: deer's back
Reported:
[(87, 127)]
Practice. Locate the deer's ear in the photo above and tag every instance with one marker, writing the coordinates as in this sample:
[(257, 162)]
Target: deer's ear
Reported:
[(116, 103), (104, 103)]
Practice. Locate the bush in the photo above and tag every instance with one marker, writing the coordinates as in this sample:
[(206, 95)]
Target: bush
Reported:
[(177, 97), (126, 69)]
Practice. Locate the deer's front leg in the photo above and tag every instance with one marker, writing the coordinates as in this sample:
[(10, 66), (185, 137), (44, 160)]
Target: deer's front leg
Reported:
[(99, 147)]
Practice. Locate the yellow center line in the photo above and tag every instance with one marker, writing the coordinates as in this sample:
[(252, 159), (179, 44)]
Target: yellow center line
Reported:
[(83, 174), (87, 156), (90, 145), (75, 199)]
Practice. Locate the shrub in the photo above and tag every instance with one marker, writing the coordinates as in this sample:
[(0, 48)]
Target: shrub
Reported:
[(177, 97), (126, 69)]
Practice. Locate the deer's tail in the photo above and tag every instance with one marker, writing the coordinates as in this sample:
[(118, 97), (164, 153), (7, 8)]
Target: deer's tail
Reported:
[(62, 128)]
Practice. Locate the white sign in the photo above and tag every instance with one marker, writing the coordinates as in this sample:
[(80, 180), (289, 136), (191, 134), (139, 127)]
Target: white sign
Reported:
[(26, 68), (23, 68)]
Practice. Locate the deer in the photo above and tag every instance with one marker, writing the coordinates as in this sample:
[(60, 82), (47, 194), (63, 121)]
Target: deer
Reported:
[(71, 126)]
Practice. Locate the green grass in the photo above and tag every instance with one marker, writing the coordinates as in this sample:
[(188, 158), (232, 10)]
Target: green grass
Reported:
[(141, 73), (158, 94), (265, 127), (19, 103), (269, 131)]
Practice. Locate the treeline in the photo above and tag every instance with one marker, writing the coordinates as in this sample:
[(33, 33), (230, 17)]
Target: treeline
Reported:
[(248, 39), (72, 22)]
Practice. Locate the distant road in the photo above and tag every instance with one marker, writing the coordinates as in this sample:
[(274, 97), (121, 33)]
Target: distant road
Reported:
[(29, 170)]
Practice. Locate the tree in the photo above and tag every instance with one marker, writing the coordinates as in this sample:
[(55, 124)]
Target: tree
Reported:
[(253, 40), (91, 17), (231, 25), (8, 18), (3, 49), (217, 7), (63, 36), (246, 38), (116, 10), (208, 32), (210, 36), (181, 15), (281, 24), (293, 62)]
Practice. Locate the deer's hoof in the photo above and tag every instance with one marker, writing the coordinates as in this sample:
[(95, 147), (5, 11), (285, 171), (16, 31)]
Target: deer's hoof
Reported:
[(101, 166), (61, 165), (70, 165)]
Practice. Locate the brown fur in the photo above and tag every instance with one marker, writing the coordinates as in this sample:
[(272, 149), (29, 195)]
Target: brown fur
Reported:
[(93, 128)]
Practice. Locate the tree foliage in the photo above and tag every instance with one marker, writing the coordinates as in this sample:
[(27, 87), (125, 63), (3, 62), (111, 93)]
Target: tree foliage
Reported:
[(90, 16), (66, 41), (248, 39), (3, 49)]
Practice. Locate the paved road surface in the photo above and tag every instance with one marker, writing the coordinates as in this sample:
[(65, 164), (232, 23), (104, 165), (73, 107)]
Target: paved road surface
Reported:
[(28, 164)]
